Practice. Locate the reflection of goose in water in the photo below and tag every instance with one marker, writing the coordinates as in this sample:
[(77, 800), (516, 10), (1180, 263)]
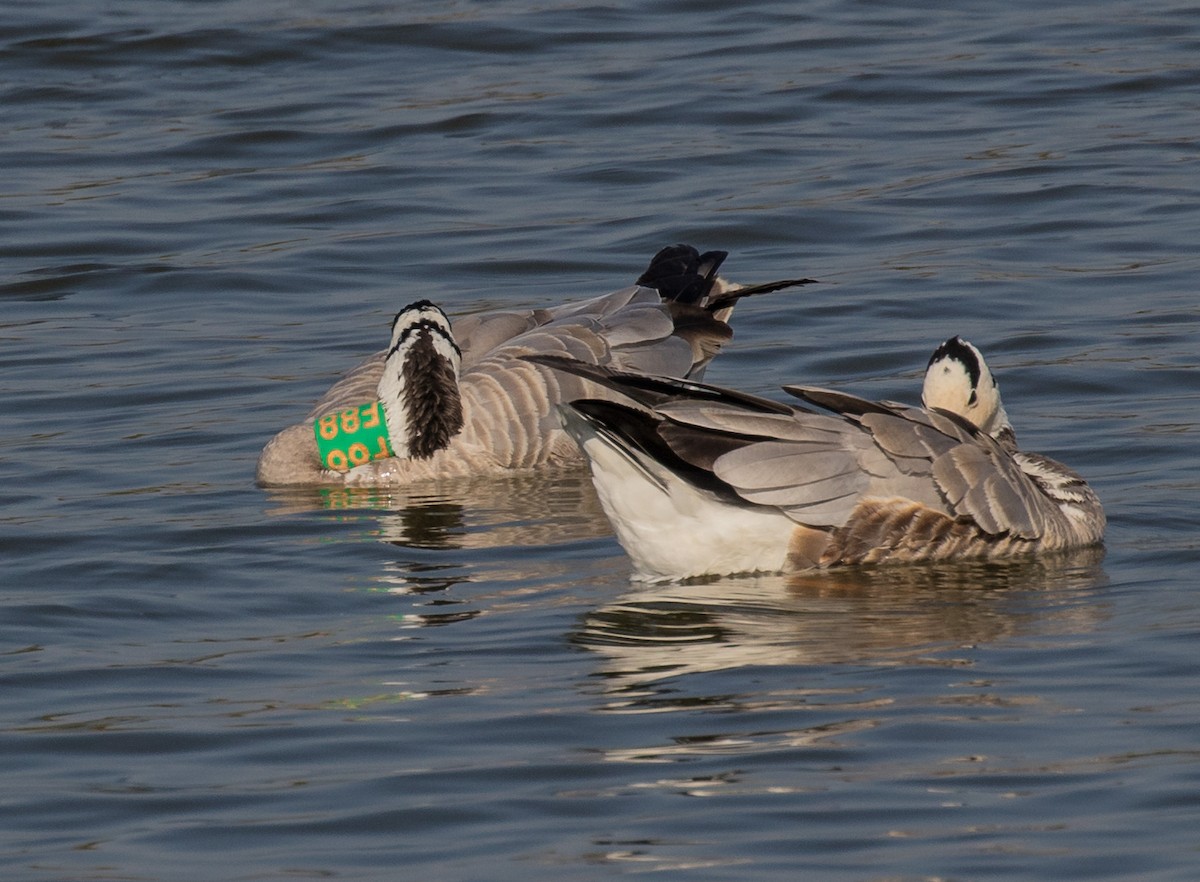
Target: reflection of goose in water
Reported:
[(460, 545), (452, 400), (702, 480), (872, 615), (518, 509)]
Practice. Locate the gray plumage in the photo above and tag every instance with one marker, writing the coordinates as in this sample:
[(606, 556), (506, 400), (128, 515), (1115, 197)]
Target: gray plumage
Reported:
[(509, 404)]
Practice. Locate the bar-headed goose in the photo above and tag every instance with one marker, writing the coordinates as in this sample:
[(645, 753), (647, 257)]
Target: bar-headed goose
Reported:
[(699, 480), (449, 399)]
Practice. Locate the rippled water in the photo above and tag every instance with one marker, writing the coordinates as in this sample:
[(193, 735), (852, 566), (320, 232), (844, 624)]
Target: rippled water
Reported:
[(210, 210)]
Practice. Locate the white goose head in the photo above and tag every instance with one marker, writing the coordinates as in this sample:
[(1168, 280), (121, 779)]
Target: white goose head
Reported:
[(419, 386), (958, 380)]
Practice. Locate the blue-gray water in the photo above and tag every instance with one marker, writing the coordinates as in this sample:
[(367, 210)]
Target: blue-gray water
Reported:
[(211, 209)]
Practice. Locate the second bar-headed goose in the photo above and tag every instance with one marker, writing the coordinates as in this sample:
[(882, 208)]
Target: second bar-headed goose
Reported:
[(455, 398)]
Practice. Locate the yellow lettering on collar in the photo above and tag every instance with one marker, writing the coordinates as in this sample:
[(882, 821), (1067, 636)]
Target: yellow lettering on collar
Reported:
[(352, 437)]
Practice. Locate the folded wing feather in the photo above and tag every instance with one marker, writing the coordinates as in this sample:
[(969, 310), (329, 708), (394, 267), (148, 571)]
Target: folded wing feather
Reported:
[(817, 468)]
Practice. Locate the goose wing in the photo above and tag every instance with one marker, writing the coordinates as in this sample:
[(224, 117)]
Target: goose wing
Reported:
[(820, 467), (511, 401), (817, 467), (481, 334), (813, 467), (631, 328), (759, 451)]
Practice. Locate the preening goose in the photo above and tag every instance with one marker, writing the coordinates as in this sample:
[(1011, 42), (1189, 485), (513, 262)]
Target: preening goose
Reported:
[(699, 480), (450, 399)]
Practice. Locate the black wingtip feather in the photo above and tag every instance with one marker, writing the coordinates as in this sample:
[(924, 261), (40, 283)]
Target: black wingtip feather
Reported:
[(731, 297), (650, 390), (643, 432), (682, 274)]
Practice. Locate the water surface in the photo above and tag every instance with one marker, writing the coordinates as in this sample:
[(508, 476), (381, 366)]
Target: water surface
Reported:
[(212, 210)]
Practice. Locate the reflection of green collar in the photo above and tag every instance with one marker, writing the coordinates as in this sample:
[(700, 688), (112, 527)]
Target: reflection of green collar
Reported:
[(352, 437)]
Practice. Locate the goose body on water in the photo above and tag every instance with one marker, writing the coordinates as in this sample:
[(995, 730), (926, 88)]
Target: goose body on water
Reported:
[(456, 398), (699, 480)]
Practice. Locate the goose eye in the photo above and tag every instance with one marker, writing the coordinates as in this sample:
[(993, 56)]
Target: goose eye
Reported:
[(973, 399)]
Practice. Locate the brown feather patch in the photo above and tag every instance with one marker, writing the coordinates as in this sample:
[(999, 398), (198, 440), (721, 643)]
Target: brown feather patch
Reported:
[(900, 530), (432, 400), (806, 548)]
